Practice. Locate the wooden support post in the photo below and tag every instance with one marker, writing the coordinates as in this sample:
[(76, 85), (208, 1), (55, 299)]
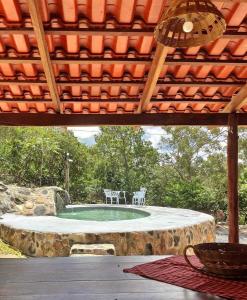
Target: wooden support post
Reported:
[(232, 163)]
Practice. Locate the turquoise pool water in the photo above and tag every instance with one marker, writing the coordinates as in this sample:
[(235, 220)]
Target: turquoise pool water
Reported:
[(102, 213)]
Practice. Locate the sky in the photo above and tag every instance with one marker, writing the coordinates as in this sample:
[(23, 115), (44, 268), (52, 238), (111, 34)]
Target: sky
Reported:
[(86, 134)]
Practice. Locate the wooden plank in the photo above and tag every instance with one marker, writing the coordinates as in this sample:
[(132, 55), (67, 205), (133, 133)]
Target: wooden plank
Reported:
[(93, 279), (170, 61), (83, 287), (80, 260), (232, 163), (57, 274), (78, 268), (91, 287), (237, 101), (188, 295), (223, 100), (137, 83), (231, 32), (173, 295), (153, 76), (35, 11), (157, 119), (59, 267), (19, 60), (23, 100)]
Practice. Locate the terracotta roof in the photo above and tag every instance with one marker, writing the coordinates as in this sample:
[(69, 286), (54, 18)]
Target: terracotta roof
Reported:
[(101, 52)]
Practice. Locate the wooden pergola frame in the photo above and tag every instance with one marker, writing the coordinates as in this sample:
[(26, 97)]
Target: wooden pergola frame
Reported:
[(155, 119), (140, 114), (232, 146)]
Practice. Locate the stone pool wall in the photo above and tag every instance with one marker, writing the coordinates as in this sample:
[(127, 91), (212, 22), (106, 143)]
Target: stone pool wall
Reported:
[(126, 243)]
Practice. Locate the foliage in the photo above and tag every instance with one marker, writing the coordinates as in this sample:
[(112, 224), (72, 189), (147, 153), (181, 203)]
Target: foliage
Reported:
[(192, 169), (187, 170), (36, 157), (123, 159), (7, 250), (243, 195)]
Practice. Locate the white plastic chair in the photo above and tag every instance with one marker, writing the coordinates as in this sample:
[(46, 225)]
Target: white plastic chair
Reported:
[(135, 198), (124, 197), (115, 195), (139, 197), (143, 190), (107, 193)]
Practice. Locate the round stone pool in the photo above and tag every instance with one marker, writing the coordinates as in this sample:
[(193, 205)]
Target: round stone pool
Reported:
[(102, 213), (154, 230)]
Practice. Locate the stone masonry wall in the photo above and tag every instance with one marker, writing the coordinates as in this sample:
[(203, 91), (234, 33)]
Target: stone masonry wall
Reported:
[(126, 243), (30, 201)]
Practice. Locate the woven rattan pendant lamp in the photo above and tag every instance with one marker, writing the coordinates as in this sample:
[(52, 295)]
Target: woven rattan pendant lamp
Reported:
[(190, 23)]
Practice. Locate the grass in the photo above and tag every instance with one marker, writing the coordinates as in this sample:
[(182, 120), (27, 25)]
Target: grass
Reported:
[(7, 250)]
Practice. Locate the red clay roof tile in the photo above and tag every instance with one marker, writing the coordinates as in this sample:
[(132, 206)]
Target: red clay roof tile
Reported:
[(116, 29)]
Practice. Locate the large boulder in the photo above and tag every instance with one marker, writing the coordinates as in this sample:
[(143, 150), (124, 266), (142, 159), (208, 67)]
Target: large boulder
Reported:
[(41, 201)]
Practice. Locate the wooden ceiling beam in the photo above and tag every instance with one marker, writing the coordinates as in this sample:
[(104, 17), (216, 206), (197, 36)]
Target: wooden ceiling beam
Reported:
[(223, 100), (35, 12), (165, 119), (137, 83), (231, 32), (170, 61), (153, 76), (238, 100)]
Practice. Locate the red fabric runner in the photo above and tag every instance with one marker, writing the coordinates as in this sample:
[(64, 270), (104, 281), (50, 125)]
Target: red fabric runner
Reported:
[(174, 270)]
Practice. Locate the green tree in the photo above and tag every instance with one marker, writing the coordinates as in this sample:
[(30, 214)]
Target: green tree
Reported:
[(189, 170), (188, 156), (36, 156), (243, 174), (123, 159)]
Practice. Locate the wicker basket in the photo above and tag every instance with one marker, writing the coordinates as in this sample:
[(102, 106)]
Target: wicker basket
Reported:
[(221, 259)]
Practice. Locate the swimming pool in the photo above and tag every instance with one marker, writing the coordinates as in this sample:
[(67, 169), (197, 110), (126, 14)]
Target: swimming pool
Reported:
[(102, 213), (164, 230)]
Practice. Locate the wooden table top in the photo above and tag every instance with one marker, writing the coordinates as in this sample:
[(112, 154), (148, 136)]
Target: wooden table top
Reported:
[(84, 278)]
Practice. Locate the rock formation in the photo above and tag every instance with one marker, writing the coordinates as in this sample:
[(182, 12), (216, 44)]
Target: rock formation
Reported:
[(41, 201)]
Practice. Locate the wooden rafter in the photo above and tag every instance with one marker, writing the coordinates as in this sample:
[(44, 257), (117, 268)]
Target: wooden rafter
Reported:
[(170, 61), (170, 100), (231, 32), (191, 80), (131, 83), (43, 51), (153, 76), (237, 101)]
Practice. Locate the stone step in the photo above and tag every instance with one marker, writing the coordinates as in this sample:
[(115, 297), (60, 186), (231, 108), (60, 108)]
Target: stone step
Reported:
[(92, 249)]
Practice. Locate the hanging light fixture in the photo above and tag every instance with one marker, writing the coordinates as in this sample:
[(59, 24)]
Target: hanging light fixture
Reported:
[(190, 23)]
